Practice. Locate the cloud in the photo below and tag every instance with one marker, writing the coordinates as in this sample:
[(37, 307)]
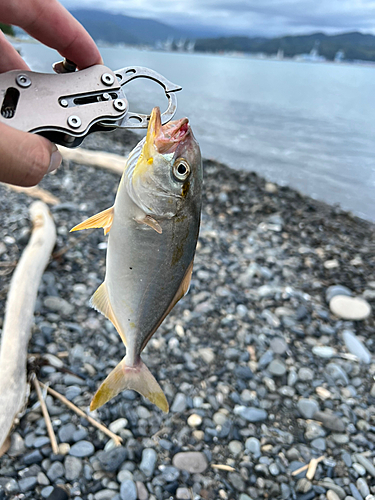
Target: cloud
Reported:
[(252, 17)]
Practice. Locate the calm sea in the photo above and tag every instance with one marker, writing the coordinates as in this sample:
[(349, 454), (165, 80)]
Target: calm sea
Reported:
[(310, 126)]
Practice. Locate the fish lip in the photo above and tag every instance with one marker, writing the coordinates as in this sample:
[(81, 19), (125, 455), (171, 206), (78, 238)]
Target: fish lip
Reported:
[(171, 134)]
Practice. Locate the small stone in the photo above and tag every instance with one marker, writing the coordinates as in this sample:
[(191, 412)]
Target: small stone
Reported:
[(207, 354), (359, 469), (191, 461), (64, 448), (350, 308), (319, 444), (324, 351), (253, 446), (219, 418), (141, 491), (128, 490), (303, 485), (278, 345), (46, 492), (305, 374), (363, 487), (334, 290), (41, 441), (340, 438), (307, 407), (117, 425), (277, 368), (66, 433), (330, 421), (82, 449), (314, 430), (27, 483), (235, 448), (59, 305), (183, 494), (194, 420), (356, 347), (111, 460), (270, 188), (73, 468), (17, 445), (33, 458), (179, 403), (148, 463), (354, 491), (366, 464), (331, 264), (252, 414), (106, 494), (331, 495), (330, 485), (274, 470), (55, 471), (42, 479)]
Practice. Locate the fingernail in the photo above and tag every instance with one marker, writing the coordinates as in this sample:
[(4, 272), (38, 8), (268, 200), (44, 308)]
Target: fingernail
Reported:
[(55, 162)]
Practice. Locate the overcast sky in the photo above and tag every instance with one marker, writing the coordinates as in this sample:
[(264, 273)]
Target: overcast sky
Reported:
[(249, 17)]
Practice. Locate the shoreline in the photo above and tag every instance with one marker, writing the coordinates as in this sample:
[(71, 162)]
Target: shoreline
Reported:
[(258, 372)]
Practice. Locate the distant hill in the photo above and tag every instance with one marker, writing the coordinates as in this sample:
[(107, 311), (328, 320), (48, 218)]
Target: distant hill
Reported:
[(353, 45), (117, 28)]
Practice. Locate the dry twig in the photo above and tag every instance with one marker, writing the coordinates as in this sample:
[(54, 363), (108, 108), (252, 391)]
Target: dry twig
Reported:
[(310, 467), (51, 434), (223, 467), (36, 192), (69, 404)]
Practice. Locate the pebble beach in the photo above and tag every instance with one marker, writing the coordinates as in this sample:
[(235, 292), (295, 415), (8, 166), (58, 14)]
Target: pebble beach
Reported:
[(268, 363)]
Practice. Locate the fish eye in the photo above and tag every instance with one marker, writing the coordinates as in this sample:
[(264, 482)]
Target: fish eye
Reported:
[(181, 169)]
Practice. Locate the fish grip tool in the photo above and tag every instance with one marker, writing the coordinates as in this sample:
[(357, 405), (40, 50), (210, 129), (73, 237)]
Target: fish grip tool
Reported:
[(68, 106)]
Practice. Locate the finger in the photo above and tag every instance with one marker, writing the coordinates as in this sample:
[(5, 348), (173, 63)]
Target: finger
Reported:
[(50, 23), (10, 58), (25, 158)]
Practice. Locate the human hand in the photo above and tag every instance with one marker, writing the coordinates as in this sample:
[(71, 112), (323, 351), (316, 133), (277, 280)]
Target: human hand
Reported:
[(26, 158)]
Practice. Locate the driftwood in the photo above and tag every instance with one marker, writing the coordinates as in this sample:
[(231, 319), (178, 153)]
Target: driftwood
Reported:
[(99, 159), (19, 316), (35, 192)]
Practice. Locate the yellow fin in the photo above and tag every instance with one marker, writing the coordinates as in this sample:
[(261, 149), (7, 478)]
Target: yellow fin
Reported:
[(102, 219), (100, 302), (150, 221), (137, 378)]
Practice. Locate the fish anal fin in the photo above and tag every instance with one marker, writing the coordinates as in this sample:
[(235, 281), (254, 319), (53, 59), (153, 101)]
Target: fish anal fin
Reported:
[(151, 222), (102, 219), (100, 301), (182, 290), (137, 378)]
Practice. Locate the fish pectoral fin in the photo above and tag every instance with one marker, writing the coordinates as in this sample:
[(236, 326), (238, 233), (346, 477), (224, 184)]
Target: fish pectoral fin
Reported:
[(137, 378), (102, 219), (100, 301), (151, 222)]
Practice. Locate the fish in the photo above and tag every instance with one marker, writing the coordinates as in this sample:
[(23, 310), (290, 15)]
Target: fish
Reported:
[(152, 230)]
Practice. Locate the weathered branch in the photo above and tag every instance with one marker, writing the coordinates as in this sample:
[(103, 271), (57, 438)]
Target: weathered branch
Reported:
[(99, 159), (19, 316), (35, 192)]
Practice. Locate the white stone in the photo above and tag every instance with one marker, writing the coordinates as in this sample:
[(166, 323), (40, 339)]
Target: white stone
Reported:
[(194, 420), (351, 308)]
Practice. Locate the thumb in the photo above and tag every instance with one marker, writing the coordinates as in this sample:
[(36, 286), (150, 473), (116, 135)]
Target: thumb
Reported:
[(25, 158)]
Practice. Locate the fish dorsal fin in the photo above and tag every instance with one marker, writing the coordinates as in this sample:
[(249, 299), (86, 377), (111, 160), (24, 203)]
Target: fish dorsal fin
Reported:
[(181, 292), (102, 219), (100, 301)]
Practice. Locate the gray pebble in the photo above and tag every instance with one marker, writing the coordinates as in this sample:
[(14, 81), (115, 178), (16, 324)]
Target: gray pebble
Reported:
[(148, 463), (307, 407), (66, 433), (359, 469), (55, 471), (305, 374), (169, 473), (363, 487), (277, 368), (27, 483), (356, 347), (278, 345), (46, 491), (128, 490), (33, 458), (330, 421), (82, 449), (106, 494), (179, 403), (252, 414), (191, 461), (274, 470), (319, 444), (111, 460), (59, 305), (324, 351), (366, 464), (354, 491), (253, 446), (73, 468), (41, 441), (334, 290), (235, 448)]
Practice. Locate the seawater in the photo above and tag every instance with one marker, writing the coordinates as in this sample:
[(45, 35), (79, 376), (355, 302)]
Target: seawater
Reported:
[(307, 125)]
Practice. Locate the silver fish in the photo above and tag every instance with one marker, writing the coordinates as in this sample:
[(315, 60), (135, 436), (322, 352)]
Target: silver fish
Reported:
[(153, 230)]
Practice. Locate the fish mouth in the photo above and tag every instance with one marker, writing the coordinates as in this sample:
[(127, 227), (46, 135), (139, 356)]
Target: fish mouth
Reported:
[(166, 138)]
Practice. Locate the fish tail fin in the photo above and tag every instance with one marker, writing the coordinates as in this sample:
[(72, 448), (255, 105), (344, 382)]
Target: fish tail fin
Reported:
[(137, 378)]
